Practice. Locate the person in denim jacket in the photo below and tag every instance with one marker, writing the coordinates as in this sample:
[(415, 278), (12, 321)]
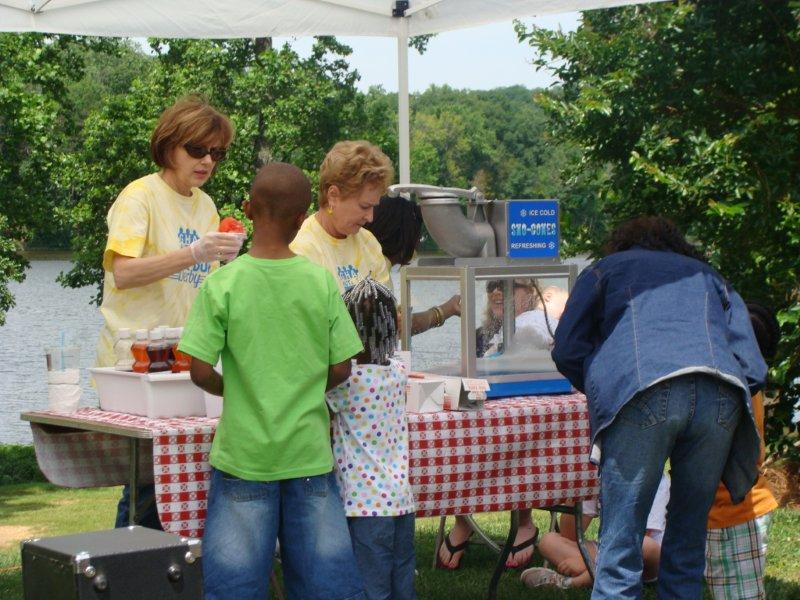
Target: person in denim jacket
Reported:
[(663, 348)]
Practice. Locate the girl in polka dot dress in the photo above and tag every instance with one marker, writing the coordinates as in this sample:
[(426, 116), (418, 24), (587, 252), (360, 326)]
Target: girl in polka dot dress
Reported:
[(370, 447)]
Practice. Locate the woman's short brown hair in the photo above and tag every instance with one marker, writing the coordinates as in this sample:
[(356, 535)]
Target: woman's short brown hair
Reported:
[(191, 120), (350, 165)]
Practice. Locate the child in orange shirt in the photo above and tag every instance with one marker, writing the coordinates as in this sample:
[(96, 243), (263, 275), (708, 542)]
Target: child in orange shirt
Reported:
[(736, 542)]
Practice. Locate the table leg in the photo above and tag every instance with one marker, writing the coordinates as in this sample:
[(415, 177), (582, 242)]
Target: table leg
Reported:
[(587, 560), (501, 561), (439, 540), (133, 482)]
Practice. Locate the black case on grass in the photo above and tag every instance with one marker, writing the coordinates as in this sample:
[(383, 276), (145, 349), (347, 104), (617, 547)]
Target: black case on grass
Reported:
[(130, 563)]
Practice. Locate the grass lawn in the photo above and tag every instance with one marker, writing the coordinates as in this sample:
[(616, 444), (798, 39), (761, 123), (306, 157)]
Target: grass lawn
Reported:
[(31, 510)]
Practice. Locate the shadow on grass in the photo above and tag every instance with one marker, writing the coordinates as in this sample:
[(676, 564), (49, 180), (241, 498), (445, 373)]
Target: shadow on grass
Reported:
[(778, 589)]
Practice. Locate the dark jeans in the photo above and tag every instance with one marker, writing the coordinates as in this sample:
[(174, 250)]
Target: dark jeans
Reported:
[(146, 509), (689, 420), (384, 549)]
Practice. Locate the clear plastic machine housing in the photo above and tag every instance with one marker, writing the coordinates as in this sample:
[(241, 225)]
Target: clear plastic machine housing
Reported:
[(497, 244), (512, 353)]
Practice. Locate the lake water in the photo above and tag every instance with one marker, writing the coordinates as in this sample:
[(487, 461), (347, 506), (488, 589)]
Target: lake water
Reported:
[(44, 310)]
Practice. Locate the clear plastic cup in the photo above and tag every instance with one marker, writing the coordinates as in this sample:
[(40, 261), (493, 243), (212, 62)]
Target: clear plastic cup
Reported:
[(63, 377)]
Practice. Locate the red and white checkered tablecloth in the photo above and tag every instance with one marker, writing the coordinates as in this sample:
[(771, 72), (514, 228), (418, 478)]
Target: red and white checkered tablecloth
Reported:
[(515, 453), (175, 459)]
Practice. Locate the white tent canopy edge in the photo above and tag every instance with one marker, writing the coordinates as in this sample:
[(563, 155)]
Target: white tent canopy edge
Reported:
[(221, 19)]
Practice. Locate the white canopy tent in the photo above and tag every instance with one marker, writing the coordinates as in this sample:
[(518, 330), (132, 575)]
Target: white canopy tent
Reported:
[(269, 18)]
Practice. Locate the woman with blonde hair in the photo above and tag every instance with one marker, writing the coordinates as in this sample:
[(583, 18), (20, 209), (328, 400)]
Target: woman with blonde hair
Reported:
[(352, 178)]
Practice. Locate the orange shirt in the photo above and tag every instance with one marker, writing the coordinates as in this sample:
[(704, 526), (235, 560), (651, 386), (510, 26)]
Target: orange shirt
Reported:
[(759, 501)]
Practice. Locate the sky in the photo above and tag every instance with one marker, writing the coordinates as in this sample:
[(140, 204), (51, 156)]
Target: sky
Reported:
[(478, 58)]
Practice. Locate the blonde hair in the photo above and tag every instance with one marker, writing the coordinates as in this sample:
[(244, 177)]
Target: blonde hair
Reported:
[(352, 165), (191, 120)]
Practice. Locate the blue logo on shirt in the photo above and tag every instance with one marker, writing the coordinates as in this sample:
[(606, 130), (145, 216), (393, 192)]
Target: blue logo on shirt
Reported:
[(195, 274), (347, 275)]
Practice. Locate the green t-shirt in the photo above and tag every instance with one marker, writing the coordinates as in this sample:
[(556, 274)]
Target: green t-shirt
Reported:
[(278, 325)]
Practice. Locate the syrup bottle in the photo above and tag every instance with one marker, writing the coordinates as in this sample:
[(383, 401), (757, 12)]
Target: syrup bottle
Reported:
[(171, 337), (122, 348), (141, 361), (157, 351), (182, 360)]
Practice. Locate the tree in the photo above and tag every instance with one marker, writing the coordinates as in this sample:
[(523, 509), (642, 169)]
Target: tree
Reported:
[(284, 108), (35, 120), (692, 110)]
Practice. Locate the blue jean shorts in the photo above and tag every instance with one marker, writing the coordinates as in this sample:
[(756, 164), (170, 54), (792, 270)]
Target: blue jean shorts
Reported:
[(246, 518)]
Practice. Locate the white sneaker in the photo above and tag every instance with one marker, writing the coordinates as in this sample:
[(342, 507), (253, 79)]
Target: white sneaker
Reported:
[(542, 577)]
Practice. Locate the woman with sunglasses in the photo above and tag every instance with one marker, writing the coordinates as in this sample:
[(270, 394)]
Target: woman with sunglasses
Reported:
[(487, 337), (163, 240)]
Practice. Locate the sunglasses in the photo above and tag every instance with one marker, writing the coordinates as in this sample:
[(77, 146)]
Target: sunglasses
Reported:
[(497, 284), (195, 151)]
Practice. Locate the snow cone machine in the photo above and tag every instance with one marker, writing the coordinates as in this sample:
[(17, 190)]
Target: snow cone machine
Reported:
[(492, 245)]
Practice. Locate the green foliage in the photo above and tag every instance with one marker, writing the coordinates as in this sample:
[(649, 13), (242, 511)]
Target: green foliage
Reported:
[(284, 108), (36, 119), (496, 140), (692, 110), (18, 465)]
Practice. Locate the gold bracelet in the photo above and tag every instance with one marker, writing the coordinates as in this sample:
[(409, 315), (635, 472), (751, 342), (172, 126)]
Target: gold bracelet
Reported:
[(439, 316)]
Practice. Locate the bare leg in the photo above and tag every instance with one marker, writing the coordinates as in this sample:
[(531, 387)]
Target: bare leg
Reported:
[(565, 556), (526, 531), (458, 535)]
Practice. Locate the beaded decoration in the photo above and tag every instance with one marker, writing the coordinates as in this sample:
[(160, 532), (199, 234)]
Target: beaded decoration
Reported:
[(374, 313)]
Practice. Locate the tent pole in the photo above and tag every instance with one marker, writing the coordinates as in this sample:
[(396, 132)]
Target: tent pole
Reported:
[(403, 135)]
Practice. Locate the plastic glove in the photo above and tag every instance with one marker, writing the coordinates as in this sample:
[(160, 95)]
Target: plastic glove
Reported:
[(216, 246)]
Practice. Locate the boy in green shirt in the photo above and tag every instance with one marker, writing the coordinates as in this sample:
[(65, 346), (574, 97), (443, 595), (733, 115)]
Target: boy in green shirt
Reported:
[(285, 337)]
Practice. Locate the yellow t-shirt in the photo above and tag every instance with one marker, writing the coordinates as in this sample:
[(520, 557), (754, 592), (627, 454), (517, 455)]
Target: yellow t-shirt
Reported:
[(349, 260), (149, 218), (759, 500)]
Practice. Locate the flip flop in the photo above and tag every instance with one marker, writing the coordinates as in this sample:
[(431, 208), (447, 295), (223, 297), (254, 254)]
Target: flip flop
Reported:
[(453, 550), (531, 541)]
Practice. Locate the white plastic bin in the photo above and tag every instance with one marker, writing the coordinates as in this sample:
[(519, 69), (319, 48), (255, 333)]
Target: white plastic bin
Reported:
[(213, 405), (148, 394)]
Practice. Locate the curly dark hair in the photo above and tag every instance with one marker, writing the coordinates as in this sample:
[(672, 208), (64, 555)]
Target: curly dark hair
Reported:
[(766, 327), (653, 233), (397, 225)]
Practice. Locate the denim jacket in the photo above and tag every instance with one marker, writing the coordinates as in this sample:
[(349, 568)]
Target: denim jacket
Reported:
[(640, 316)]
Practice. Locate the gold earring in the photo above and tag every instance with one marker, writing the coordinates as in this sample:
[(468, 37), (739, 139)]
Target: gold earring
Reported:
[(330, 209)]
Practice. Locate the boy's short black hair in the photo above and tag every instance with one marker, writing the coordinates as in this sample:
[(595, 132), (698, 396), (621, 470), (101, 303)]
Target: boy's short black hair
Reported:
[(766, 328), (374, 313), (280, 191)]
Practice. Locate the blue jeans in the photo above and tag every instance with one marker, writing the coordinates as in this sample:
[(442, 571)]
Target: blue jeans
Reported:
[(384, 549), (689, 420), (146, 509), (243, 522)]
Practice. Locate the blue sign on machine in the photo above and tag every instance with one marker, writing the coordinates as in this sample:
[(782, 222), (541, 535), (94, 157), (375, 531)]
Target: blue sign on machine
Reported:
[(532, 228)]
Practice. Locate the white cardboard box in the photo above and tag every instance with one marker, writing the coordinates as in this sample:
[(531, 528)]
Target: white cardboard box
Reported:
[(150, 395), (460, 393), (424, 395)]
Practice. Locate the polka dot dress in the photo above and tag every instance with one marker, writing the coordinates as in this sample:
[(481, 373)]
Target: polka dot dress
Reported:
[(370, 441)]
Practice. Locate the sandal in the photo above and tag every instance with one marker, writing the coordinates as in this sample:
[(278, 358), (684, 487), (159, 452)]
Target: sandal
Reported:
[(453, 550), (531, 541)]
